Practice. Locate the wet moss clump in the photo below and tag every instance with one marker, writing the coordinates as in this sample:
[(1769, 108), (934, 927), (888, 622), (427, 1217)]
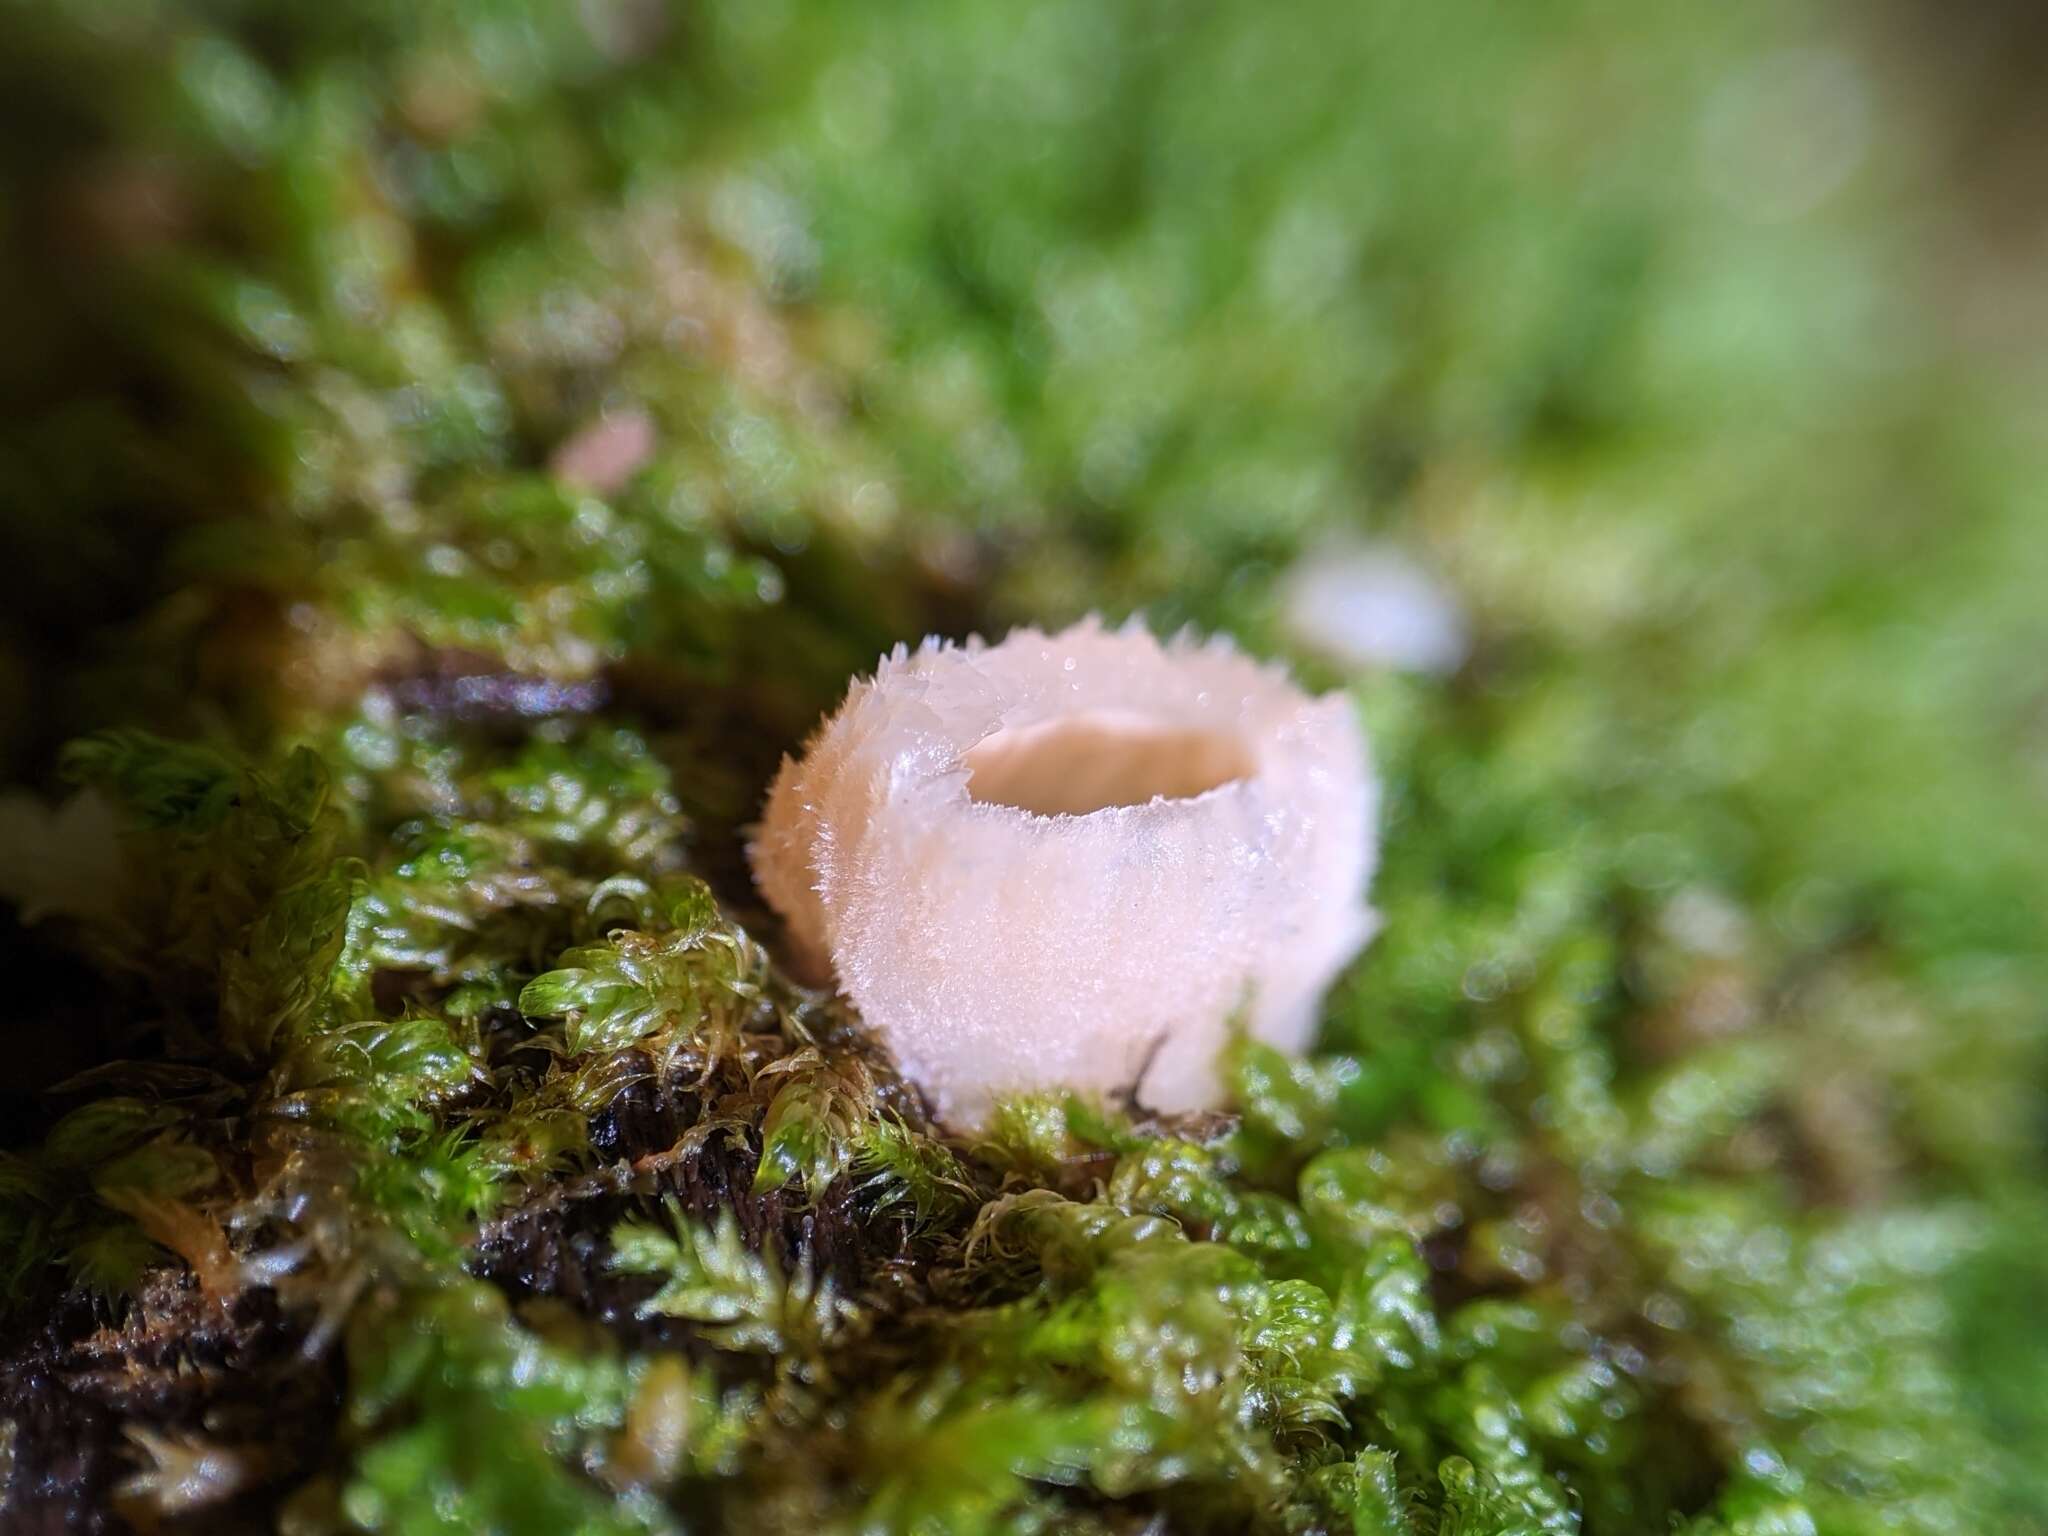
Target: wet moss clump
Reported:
[(451, 452)]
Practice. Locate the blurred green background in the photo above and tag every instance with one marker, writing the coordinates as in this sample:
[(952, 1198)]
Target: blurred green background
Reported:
[(678, 358)]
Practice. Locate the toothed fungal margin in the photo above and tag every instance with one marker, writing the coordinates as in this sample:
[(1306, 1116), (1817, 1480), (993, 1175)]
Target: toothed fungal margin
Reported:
[(1071, 860)]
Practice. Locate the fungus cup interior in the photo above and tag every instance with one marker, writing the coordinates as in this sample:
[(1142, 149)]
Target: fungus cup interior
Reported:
[(1101, 758)]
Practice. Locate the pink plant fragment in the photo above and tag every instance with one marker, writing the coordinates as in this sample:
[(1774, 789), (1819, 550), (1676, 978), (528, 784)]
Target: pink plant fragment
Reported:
[(607, 453)]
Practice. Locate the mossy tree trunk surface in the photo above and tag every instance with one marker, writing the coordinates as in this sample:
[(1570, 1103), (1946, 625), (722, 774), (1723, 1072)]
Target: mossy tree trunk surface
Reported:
[(449, 454)]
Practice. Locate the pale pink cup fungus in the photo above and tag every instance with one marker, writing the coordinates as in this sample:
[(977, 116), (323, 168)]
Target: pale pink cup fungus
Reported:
[(1073, 860)]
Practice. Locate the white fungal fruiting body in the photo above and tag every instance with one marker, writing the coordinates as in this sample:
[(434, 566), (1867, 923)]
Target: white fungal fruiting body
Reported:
[(1371, 605), (1071, 860)]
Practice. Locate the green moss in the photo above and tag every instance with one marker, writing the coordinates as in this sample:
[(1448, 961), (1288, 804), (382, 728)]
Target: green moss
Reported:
[(1662, 1163)]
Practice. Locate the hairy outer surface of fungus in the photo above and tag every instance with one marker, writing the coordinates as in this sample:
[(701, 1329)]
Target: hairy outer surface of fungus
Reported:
[(1071, 860), (450, 453)]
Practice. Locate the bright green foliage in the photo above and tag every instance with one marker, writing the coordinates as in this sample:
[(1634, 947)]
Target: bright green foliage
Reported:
[(815, 1123), (1667, 1164), (428, 912), (497, 1415), (504, 863), (1834, 1343), (691, 990), (1193, 1185), (746, 1300), (953, 1461), (240, 883), (899, 1166), (606, 794)]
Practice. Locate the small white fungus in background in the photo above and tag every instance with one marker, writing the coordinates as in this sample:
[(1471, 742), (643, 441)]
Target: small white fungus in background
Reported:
[(59, 861), (1071, 860), (1370, 605)]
